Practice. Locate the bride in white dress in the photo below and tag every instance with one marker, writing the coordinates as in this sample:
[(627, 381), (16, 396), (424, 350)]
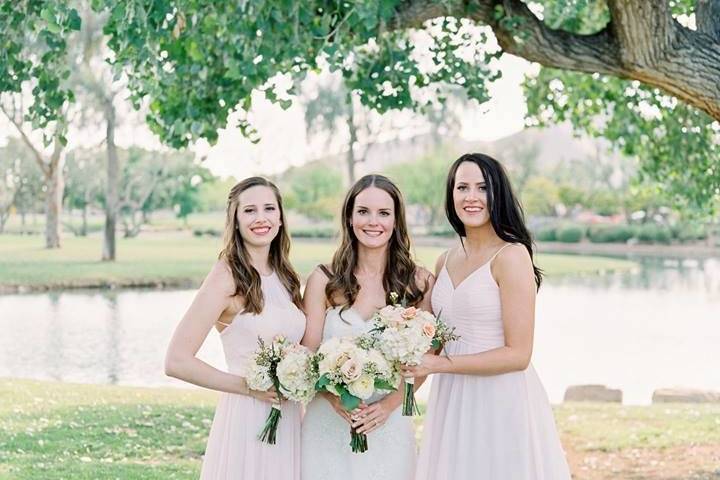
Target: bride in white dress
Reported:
[(339, 301)]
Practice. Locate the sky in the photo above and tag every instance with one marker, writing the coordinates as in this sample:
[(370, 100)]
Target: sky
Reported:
[(283, 139)]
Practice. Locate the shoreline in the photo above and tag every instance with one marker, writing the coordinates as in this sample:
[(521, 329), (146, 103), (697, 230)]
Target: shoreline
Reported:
[(192, 278), (600, 249)]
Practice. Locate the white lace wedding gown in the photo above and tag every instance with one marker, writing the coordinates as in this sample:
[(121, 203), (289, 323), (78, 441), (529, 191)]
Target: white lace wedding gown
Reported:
[(326, 453)]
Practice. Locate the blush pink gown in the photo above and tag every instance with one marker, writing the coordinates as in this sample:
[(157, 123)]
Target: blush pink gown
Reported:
[(497, 427), (233, 449)]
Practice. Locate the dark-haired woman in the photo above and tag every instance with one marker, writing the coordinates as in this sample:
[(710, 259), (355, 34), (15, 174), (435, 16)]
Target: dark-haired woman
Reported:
[(488, 416), (372, 261), (251, 292)]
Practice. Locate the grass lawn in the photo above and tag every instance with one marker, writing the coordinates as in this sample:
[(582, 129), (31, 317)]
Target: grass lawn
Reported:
[(54, 430), (180, 259)]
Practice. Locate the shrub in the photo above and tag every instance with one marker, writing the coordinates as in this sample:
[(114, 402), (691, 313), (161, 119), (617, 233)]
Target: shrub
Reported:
[(313, 232), (546, 234), (689, 233), (570, 233), (443, 231), (652, 233), (610, 233), (210, 232)]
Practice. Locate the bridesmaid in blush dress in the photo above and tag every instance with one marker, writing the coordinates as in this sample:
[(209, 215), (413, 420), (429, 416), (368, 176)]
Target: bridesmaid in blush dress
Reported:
[(488, 415), (251, 292)]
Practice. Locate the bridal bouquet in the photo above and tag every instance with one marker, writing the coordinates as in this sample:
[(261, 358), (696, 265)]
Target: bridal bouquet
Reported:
[(404, 335), (287, 367), (352, 369)]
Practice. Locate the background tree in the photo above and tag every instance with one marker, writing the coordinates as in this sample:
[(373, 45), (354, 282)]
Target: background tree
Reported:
[(314, 190), (34, 65), (422, 183), (98, 90), (21, 183), (152, 181), (83, 186), (333, 110), (196, 62), (213, 196)]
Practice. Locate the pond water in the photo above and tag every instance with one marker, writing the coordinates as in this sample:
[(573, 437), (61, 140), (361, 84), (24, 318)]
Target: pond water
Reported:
[(657, 326)]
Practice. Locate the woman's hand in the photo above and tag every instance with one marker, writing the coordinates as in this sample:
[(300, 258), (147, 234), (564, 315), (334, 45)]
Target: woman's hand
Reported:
[(336, 403), (271, 396), (428, 365), (374, 416)]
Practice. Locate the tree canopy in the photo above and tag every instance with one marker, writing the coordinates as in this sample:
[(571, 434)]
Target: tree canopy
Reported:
[(643, 73)]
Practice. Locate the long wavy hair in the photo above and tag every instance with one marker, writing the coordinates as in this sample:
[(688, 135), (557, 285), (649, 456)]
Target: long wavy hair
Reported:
[(246, 277), (506, 212), (400, 270)]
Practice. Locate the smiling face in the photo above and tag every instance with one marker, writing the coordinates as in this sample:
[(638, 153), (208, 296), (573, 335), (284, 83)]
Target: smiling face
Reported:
[(373, 217), (258, 216), (470, 195)]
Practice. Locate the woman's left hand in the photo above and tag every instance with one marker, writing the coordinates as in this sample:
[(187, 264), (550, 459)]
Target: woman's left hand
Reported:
[(428, 365), (372, 416)]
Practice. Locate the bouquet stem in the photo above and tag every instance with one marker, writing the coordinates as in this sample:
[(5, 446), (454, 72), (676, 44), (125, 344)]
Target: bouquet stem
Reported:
[(269, 432), (409, 404), (358, 441)]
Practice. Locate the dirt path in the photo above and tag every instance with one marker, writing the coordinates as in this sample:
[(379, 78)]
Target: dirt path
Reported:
[(694, 462)]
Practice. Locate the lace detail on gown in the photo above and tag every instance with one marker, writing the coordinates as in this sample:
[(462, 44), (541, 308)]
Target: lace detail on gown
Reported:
[(326, 453)]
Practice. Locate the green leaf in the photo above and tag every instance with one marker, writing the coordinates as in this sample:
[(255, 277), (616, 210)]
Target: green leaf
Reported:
[(384, 385), (74, 21), (349, 401), (322, 382)]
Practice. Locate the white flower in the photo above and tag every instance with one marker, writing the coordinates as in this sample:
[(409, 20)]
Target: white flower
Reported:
[(295, 374), (258, 377), (351, 369), (363, 387), (376, 358)]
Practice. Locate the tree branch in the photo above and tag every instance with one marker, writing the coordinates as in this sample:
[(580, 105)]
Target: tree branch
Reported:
[(707, 18), (642, 42), (644, 30), (595, 53), (35, 152), (533, 41)]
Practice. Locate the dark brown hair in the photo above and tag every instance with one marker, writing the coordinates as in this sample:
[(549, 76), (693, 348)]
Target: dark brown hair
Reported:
[(400, 269), (506, 213), (246, 277)]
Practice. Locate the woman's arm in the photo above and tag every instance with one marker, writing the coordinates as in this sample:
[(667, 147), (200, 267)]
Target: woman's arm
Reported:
[(315, 305), (513, 272), (424, 278), (181, 362)]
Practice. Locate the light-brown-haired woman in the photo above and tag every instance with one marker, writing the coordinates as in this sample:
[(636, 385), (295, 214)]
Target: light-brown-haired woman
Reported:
[(372, 261), (252, 291)]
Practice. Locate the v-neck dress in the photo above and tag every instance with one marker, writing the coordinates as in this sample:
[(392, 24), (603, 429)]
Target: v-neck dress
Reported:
[(497, 427)]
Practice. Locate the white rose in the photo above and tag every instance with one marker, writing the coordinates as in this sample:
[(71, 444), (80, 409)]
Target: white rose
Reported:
[(363, 387), (351, 369)]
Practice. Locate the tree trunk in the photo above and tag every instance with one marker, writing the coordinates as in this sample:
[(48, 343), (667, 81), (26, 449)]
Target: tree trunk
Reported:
[(53, 198), (352, 130), (3, 219), (111, 196), (83, 229)]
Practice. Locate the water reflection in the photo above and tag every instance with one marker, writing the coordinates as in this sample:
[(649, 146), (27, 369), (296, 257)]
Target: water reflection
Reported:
[(658, 326)]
